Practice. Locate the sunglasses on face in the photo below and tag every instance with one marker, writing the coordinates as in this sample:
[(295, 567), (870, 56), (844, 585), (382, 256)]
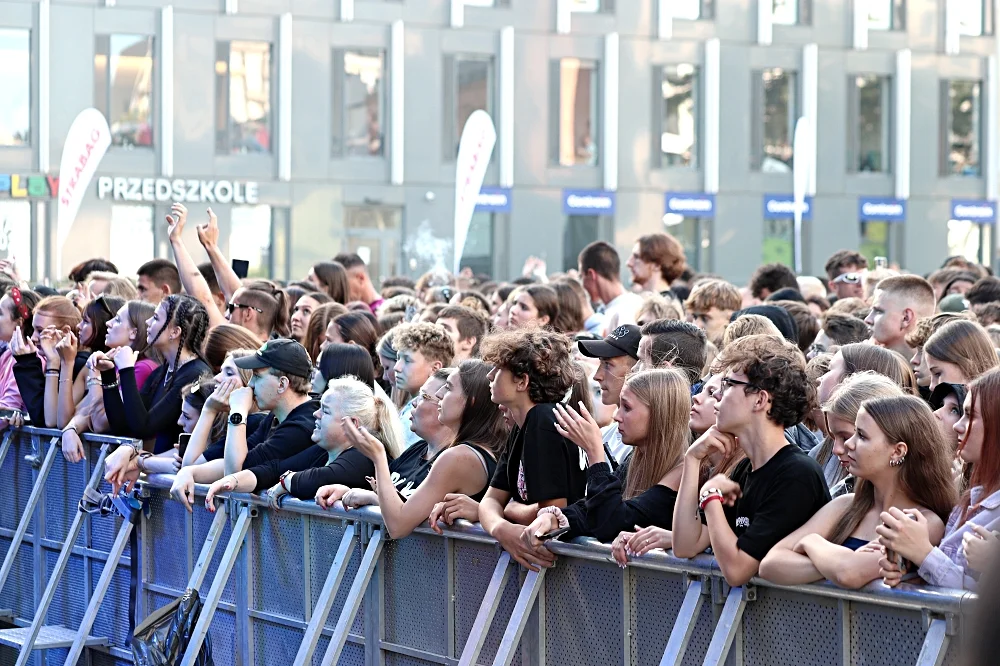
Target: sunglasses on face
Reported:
[(848, 278)]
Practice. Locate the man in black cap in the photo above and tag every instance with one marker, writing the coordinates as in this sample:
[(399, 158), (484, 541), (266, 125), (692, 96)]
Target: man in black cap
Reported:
[(618, 352), (280, 385)]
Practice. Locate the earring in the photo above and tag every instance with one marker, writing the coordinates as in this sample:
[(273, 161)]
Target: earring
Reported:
[(897, 462)]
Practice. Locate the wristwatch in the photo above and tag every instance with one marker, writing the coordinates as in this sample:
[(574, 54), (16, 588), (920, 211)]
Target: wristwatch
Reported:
[(236, 419)]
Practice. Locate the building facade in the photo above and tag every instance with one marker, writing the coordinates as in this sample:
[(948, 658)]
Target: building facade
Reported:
[(312, 127)]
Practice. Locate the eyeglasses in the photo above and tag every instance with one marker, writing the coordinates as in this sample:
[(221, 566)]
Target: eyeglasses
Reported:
[(240, 306), (848, 278), (427, 397), (729, 381)]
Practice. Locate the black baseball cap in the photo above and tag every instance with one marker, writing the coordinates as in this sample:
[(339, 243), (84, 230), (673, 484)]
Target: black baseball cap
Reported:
[(943, 390), (281, 354), (623, 341)]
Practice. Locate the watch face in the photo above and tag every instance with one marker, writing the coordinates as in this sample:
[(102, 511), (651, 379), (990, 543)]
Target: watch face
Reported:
[(236, 419)]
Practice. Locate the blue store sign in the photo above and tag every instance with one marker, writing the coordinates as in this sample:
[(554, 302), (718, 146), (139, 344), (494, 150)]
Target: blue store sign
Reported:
[(495, 200), (876, 209), (588, 202), (690, 204), (782, 206), (980, 212)]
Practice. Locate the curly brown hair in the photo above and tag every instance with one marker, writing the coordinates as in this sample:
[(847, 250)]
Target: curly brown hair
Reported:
[(775, 366), (429, 339), (544, 356)]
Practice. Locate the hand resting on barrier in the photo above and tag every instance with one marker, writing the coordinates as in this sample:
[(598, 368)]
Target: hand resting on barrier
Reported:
[(16, 420), (72, 446), (453, 507), (640, 542), (327, 496)]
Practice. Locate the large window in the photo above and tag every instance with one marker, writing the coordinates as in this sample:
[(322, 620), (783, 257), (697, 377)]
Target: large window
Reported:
[(974, 16), (963, 131), (695, 234), (679, 116), (15, 235), (886, 14), (15, 82), (870, 108), (776, 104), (790, 12), (132, 241), (577, 94), (692, 10), (478, 251), (359, 103), (779, 241), (243, 97), (123, 87), (468, 88), (250, 238)]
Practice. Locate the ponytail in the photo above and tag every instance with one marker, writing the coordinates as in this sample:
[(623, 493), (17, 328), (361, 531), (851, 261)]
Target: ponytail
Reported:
[(281, 324), (387, 423)]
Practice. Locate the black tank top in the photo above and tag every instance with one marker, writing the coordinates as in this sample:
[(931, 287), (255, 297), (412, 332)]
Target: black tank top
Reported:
[(489, 464)]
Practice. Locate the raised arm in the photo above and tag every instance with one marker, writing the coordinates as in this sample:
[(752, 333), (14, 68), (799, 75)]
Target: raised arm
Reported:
[(208, 234), (191, 278)]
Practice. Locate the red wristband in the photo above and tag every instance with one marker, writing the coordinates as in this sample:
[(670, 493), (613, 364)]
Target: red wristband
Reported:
[(704, 502)]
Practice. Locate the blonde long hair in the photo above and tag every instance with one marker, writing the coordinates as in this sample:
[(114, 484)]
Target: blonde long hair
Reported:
[(373, 409), (668, 396)]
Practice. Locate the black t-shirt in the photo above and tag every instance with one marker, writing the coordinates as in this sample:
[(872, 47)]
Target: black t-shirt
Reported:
[(411, 468), (777, 499), (277, 441), (255, 421), (538, 464), (603, 514), (349, 469)]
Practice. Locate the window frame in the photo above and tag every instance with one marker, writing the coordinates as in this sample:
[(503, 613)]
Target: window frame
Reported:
[(706, 11), (659, 113), (450, 129), (854, 123), (272, 96), (897, 17), (758, 100), (338, 103), (803, 14), (29, 140), (987, 15), (555, 103), (944, 131), (104, 39)]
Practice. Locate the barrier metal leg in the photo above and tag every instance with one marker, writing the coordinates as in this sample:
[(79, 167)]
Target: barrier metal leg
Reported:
[(484, 618), (353, 602), (25, 640), (5, 445), (326, 598), (725, 631), (687, 618), (208, 548), (519, 618), (211, 602), (29, 510), (114, 557), (935, 645)]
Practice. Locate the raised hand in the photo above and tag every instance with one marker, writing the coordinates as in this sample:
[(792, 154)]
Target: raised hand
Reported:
[(67, 347), (208, 233), (175, 221)]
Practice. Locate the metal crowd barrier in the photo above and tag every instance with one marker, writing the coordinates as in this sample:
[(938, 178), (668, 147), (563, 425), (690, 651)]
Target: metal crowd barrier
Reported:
[(308, 586)]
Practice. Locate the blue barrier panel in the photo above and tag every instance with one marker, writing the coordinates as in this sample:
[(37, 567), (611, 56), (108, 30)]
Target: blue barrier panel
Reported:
[(426, 591)]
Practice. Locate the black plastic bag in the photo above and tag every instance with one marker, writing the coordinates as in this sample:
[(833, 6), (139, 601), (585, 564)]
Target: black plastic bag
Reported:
[(163, 637)]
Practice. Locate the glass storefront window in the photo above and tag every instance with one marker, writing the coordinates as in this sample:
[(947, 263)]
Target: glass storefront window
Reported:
[(779, 242), (15, 82), (971, 16), (577, 94), (478, 252), (243, 97), (15, 235), (472, 91), (777, 110), (580, 231), (962, 110), (132, 240), (875, 240), (250, 238), (886, 14), (695, 234), (375, 233), (123, 87), (970, 240), (363, 97), (785, 12), (679, 134), (871, 140)]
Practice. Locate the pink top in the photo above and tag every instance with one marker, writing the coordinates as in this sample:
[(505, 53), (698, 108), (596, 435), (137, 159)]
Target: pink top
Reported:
[(10, 396), (143, 369)]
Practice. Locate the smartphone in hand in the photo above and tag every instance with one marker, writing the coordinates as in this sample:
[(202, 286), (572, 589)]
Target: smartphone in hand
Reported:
[(558, 532), (182, 443)]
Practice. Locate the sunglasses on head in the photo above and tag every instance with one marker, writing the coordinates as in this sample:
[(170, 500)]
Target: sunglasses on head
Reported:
[(230, 307)]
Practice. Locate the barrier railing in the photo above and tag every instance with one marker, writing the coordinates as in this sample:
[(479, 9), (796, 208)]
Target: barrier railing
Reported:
[(308, 586)]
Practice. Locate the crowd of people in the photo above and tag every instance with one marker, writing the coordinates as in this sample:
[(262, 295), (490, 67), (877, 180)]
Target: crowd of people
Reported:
[(802, 428)]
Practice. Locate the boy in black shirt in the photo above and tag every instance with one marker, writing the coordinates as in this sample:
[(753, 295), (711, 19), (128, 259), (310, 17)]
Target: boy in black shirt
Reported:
[(777, 488)]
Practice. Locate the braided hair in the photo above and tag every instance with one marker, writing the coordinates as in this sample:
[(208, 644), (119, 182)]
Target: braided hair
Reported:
[(192, 318)]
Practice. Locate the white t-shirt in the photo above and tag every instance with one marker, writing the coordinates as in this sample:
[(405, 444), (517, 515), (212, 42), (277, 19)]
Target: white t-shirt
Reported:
[(409, 437), (613, 439), (623, 309)]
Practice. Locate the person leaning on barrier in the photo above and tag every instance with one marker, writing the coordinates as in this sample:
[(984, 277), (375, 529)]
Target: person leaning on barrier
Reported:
[(464, 469), (348, 404), (16, 309), (533, 370), (408, 470), (772, 493), (652, 418), (899, 460), (977, 512), (280, 385)]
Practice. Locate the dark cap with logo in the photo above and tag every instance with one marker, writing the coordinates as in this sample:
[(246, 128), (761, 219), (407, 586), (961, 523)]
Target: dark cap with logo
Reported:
[(623, 341), (281, 354)]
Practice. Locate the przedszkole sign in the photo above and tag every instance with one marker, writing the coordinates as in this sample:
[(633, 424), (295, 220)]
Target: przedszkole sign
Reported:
[(162, 190)]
